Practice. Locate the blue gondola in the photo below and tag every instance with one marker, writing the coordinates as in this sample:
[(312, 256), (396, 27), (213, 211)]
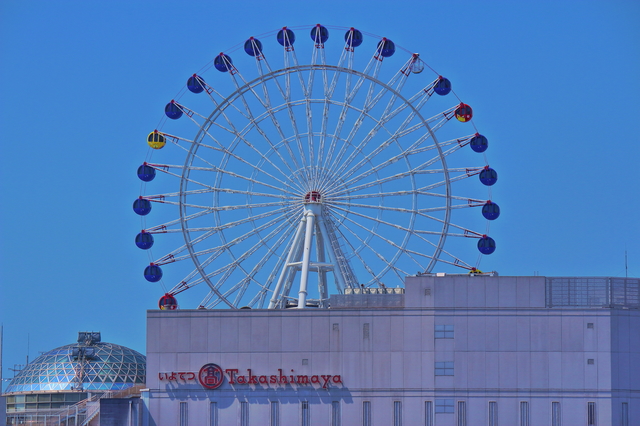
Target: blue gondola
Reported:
[(488, 176), (142, 206), (173, 111), (490, 210), (195, 84), (288, 40), (479, 143), (253, 47), (146, 173), (144, 240), (153, 273), (222, 62), (386, 48), (443, 86), (319, 34), (486, 245), (353, 38)]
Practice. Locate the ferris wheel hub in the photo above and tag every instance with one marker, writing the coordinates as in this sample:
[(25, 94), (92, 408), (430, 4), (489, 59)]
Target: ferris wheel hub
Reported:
[(312, 197)]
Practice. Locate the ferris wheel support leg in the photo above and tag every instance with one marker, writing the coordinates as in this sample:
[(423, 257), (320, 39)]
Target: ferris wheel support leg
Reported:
[(306, 256), (333, 258), (273, 303), (322, 274)]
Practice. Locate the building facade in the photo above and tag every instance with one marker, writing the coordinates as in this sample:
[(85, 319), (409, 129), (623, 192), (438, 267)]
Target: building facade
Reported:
[(446, 350)]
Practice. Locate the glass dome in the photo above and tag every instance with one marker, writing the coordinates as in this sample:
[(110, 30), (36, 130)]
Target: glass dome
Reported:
[(100, 366)]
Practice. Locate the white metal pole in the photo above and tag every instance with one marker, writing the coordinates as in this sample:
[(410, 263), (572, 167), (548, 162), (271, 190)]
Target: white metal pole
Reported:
[(306, 256), (294, 245)]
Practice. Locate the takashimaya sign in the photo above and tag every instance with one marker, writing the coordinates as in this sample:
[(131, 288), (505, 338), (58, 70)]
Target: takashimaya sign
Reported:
[(211, 376)]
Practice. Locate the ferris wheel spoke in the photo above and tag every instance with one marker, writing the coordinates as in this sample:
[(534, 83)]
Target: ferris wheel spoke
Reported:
[(350, 94), (253, 123), (241, 137), (272, 251), (400, 132), (274, 119), (170, 258), (471, 201), (412, 230), (228, 269), (400, 209), (401, 249), (459, 143), (365, 244), (420, 169), (240, 287), (348, 176)]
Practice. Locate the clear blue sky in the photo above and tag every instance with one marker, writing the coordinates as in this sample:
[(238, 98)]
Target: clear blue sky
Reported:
[(554, 84)]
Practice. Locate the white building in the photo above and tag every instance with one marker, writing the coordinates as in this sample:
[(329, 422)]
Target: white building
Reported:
[(451, 350)]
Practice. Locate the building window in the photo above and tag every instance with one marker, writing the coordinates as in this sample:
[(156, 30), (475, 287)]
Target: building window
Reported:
[(335, 413), (625, 414), (275, 414), (366, 413), (589, 325), (591, 414), (397, 413), (428, 413), (493, 413), (524, 413), (591, 361), (555, 414), (444, 332), (462, 413), (184, 414), (244, 414), (213, 414), (444, 368), (444, 405), (306, 418)]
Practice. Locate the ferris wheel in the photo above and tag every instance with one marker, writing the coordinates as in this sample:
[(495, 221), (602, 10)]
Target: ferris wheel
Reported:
[(300, 168)]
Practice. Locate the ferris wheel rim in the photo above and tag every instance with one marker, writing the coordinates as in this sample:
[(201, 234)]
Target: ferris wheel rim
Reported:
[(262, 79)]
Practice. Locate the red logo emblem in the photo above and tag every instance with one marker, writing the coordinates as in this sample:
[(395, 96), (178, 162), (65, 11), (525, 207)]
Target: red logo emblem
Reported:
[(211, 376)]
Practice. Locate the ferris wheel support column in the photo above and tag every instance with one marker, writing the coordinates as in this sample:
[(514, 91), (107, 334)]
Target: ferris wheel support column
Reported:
[(312, 210), (273, 303)]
